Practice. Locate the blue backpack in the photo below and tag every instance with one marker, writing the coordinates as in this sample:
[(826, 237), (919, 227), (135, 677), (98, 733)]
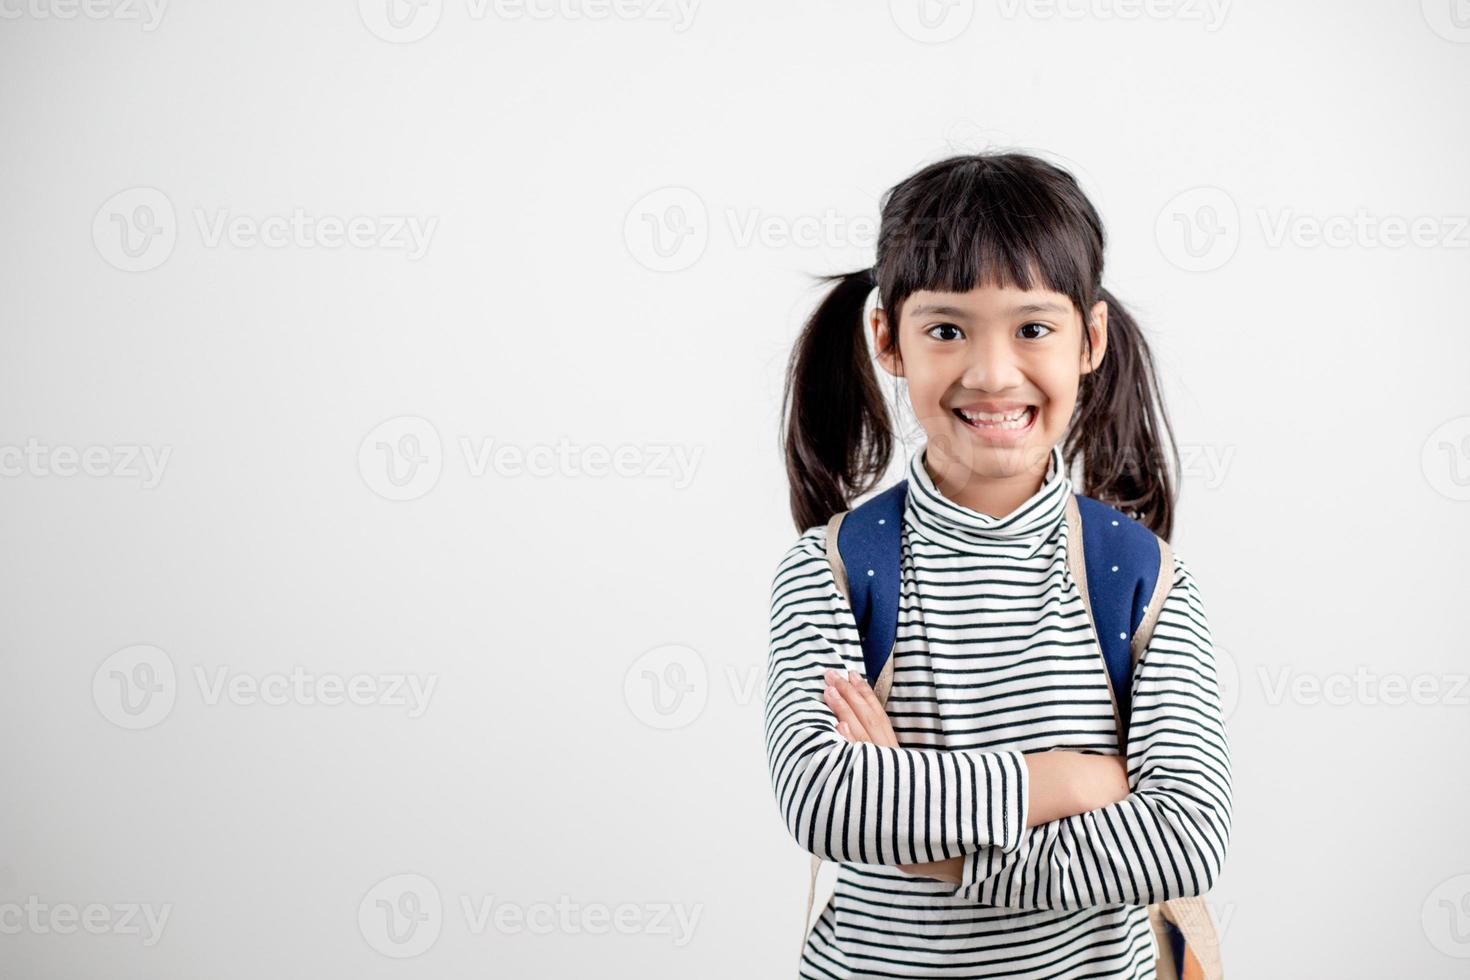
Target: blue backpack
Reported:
[(1119, 576), (1123, 559)]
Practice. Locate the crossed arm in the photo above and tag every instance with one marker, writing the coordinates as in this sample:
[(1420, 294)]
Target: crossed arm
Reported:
[(872, 801), (1163, 836), (1040, 830), (1061, 784)]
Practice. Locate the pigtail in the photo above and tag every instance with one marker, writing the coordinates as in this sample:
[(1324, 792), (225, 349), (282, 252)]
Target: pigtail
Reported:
[(838, 435), (1122, 430)]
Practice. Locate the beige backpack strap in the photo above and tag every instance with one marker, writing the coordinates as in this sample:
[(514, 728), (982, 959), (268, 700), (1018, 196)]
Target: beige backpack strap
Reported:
[(1191, 915), (839, 575), (834, 557), (885, 679), (880, 690), (1201, 945), (1164, 966), (811, 899), (1162, 585)]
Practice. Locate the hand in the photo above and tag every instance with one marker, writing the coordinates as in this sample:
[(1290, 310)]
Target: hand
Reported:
[(860, 718), (949, 870)]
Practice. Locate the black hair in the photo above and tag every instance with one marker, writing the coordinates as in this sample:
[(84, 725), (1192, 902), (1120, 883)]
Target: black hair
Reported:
[(998, 218)]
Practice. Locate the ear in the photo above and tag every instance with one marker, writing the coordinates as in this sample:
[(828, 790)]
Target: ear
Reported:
[(1097, 332), (889, 359)]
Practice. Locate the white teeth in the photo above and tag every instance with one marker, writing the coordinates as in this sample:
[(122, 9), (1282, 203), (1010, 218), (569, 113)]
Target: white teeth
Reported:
[(998, 420)]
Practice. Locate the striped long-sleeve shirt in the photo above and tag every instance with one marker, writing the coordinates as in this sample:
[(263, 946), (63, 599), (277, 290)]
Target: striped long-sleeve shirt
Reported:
[(995, 657)]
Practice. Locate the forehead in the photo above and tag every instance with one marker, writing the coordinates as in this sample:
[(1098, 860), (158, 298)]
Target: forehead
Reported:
[(984, 302)]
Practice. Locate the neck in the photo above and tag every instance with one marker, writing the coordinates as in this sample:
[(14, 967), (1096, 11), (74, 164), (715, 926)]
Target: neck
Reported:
[(996, 496)]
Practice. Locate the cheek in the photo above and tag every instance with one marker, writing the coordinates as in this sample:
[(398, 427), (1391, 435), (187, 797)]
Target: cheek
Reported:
[(1059, 385), (926, 394), (925, 386)]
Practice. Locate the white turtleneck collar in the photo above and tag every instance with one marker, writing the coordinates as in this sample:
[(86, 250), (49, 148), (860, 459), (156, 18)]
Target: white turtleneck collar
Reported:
[(945, 522)]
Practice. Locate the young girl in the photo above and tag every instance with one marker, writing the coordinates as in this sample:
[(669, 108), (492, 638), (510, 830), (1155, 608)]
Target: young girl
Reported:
[(986, 823)]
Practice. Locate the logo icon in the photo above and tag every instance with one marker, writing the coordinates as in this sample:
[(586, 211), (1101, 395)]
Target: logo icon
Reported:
[(1445, 459), (932, 21), (667, 687), (401, 916), (402, 458), (1446, 917), (1450, 19), (1199, 229), (135, 230), (400, 21), (667, 230), (136, 687)]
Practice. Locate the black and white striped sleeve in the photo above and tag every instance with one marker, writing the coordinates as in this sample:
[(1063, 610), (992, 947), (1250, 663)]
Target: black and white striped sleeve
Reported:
[(859, 802), (1167, 839)]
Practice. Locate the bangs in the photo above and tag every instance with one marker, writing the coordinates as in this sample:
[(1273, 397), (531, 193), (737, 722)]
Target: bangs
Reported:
[(978, 225)]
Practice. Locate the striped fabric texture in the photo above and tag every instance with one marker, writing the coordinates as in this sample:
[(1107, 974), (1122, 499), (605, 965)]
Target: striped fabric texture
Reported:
[(995, 657)]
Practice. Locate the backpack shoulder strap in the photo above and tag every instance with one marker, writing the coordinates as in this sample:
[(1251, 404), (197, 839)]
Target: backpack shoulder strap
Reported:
[(865, 549), (1123, 571), (865, 552)]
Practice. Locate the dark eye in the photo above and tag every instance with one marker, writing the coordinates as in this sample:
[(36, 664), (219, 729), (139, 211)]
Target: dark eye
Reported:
[(1041, 325), (942, 326)]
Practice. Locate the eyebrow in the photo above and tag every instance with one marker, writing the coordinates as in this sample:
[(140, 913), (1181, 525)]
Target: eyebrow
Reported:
[(1025, 309)]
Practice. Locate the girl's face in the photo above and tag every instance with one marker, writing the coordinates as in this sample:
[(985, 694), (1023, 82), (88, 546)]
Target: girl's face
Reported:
[(1014, 356)]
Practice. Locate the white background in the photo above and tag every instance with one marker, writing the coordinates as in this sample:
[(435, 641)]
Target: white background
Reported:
[(1320, 390)]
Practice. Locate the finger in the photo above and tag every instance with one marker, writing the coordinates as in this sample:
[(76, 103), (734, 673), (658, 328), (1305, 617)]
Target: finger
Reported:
[(874, 717), (868, 711), (843, 710), (865, 692), (863, 725), (842, 681)]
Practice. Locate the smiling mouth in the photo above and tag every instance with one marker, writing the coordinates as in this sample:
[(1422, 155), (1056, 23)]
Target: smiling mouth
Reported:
[(1020, 418)]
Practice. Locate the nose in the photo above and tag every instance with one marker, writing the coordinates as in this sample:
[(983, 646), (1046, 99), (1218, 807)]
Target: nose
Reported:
[(992, 366)]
